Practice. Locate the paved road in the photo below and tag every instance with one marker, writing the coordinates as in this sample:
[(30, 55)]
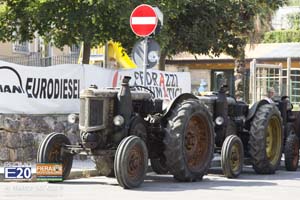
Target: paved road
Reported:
[(283, 185)]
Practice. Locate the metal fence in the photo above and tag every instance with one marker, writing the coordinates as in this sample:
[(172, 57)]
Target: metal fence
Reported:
[(286, 81), (262, 77), (40, 61)]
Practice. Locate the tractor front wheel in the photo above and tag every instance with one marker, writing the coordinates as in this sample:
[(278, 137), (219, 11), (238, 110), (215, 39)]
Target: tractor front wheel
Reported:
[(291, 152), (50, 151), (131, 162), (232, 156)]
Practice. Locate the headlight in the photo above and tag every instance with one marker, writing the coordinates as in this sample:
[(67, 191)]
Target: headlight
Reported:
[(118, 120), (73, 118), (219, 120)]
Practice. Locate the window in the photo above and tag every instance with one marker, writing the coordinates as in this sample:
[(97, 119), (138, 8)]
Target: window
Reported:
[(21, 47)]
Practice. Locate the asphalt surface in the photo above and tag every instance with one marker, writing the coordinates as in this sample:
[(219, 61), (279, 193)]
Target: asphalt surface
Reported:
[(282, 185)]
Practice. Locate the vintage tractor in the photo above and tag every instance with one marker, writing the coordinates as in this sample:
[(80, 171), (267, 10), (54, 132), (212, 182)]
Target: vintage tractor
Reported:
[(241, 132), (127, 127), (291, 139)]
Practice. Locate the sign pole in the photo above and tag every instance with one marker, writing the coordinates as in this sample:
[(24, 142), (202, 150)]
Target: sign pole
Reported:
[(145, 63), (143, 22)]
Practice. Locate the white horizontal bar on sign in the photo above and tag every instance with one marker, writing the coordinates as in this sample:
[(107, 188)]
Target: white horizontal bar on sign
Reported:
[(143, 20)]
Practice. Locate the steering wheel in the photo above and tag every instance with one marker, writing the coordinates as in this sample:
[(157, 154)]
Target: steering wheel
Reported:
[(139, 86)]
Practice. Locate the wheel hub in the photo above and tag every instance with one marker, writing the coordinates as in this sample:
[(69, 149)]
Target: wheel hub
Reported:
[(296, 155), (54, 155), (235, 158), (196, 141), (273, 139), (135, 162)]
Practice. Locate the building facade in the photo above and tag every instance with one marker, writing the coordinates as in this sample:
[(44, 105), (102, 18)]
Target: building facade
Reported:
[(37, 53)]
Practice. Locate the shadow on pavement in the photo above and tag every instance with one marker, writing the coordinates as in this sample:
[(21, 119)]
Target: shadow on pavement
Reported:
[(158, 183), (214, 181), (87, 182), (280, 174)]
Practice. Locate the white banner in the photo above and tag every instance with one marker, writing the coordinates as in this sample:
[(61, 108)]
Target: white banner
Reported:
[(165, 85), (56, 89)]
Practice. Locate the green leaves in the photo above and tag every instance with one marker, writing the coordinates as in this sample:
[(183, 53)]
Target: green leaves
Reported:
[(282, 36), (197, 26)]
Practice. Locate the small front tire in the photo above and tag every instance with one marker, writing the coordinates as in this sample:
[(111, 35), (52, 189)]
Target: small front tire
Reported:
[(291, 153), (232, 156), (50, 151), (131, 162)]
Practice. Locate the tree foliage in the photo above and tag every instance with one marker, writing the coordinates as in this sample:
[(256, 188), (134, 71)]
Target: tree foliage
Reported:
[(67, 22), (197, 26), (219, 26)]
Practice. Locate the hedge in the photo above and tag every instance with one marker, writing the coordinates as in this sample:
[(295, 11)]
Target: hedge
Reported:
[(282, 36)]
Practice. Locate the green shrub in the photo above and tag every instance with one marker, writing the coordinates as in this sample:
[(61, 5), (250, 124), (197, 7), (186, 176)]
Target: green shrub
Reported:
[(282, 36)]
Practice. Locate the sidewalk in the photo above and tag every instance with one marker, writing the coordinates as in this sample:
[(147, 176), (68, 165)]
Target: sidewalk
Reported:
[(80, 169)]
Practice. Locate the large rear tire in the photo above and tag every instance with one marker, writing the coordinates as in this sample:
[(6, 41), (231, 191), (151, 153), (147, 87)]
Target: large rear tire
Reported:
[(189, 140), (266, 139), (50, 151), (291, 152)]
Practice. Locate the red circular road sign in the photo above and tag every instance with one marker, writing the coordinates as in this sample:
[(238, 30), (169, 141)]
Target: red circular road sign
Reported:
[(143, 20)]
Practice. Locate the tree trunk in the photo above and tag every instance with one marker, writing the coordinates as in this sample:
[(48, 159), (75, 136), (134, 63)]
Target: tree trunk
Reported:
[(86, 53), (240, 77), (162, 60)]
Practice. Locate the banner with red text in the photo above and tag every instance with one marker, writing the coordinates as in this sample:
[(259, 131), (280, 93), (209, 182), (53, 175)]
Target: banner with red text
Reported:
[(56, 89)]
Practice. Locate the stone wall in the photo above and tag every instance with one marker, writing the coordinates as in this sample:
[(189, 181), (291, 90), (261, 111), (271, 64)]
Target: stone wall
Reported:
[(20, 135)]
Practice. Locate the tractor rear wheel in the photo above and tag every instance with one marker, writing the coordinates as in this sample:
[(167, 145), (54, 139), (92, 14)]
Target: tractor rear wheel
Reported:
[(189, 140), (131, 162), (291, 152), (266, 139), (232, 156)]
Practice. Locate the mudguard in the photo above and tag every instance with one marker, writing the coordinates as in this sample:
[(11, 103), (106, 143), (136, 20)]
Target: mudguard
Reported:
[(177, 100), (254, 108)]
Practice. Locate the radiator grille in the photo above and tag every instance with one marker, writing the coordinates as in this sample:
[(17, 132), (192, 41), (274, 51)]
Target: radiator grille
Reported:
[(96, 112), (82, 112)]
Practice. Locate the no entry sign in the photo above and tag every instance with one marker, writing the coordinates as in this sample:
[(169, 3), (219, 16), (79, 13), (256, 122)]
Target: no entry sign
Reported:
[(143, 20)]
